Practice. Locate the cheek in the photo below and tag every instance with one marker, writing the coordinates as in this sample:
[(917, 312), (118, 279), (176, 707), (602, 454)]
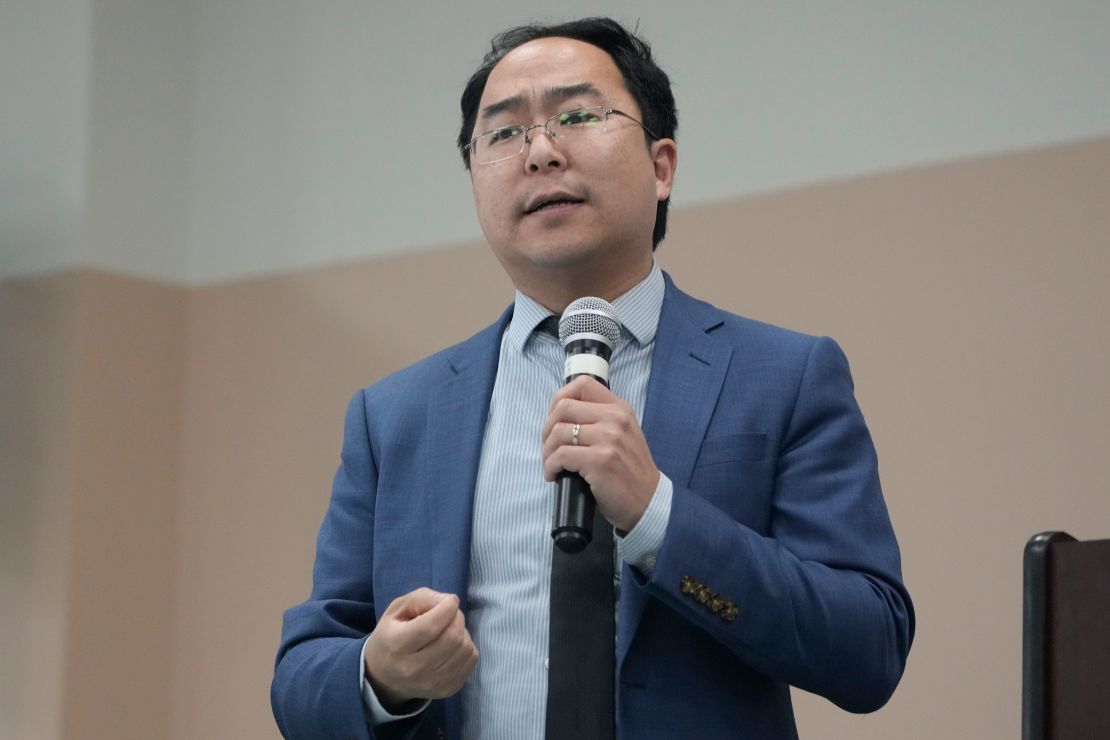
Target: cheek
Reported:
[(493, 214), (490, 201), (637, 193), (482, 204)]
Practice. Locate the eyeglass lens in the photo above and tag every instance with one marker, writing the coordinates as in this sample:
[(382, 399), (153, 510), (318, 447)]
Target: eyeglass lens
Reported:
[(510, 141)]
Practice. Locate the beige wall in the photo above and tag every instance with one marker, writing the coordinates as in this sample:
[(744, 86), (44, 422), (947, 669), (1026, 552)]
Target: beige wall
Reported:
[(127, 401), (37, 357), (91, 398), (969, 297)]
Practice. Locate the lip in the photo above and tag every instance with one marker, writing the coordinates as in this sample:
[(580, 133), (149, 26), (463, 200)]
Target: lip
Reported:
[(538, 200)]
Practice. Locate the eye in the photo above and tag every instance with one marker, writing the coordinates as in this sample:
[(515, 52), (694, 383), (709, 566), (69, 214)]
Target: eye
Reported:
[(579, 117), (503, 135)]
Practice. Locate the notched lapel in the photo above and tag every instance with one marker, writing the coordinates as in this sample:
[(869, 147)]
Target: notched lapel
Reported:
[(687, 372), (458, 409)]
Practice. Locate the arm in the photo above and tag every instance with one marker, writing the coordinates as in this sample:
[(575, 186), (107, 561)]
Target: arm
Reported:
[(315, 692), (820, 600), (419, 648)]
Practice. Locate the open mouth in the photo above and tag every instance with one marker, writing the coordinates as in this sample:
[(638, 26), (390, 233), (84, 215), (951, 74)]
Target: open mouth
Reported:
[(554, 203)]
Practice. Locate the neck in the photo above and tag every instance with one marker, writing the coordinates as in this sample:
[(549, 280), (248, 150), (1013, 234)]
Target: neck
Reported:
[(556, 292)]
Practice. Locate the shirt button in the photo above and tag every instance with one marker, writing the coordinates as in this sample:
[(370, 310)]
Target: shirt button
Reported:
[(545, 664), (649, 563)]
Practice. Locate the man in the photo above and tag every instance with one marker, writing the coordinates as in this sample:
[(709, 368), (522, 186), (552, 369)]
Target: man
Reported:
[(753, 543)]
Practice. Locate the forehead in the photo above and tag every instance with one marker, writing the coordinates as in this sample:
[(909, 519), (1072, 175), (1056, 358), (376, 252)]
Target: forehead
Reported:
[(534, 67)]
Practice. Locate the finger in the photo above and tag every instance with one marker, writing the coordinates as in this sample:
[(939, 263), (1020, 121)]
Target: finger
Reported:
[(417, 633), (458, 660), (452, 642), (566, 459), (587, 387), (572, 411), (457, 669), (563, 433), (441, 661), (584, 388), (414, 603)]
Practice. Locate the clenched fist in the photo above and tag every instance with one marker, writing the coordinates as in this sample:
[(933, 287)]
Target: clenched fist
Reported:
[(420, 649)]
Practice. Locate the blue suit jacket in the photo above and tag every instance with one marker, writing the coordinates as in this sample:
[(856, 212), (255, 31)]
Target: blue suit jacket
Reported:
[(777, 509)]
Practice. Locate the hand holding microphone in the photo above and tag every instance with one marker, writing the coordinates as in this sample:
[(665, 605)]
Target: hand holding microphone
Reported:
[(593, 446)]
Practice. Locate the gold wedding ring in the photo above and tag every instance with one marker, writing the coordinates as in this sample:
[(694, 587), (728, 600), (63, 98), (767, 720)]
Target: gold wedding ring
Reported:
[(574, 433)]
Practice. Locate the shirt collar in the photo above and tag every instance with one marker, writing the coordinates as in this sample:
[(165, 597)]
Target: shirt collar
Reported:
[(637, 310)]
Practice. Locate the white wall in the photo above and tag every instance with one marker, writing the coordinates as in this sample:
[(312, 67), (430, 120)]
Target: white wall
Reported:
[(237, 137), (140, 122), (44, 63)]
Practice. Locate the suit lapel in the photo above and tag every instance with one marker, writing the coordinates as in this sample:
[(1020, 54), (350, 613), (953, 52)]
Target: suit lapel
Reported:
[(687, 369), (458, 409)]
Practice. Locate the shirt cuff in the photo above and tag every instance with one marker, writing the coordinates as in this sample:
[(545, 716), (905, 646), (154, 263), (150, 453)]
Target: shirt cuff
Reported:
[(641, 545), (377, 714)]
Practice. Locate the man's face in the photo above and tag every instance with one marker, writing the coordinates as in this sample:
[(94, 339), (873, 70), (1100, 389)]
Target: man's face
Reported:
[(613, 180)]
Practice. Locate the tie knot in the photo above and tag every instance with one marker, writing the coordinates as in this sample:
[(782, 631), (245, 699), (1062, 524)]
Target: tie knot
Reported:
[(549, 325)]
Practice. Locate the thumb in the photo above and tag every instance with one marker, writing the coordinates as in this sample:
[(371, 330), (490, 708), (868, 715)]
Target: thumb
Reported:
[(417, 602)]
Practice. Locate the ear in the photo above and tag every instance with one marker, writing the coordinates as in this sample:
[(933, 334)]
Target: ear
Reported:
[(664, 157)]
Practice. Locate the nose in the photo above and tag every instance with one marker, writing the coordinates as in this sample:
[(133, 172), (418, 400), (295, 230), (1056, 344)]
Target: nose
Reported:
[(543, 152)]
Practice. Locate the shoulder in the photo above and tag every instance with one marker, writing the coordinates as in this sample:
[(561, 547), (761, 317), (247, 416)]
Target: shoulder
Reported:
[(749, 337), (763, 359), (412, 383)]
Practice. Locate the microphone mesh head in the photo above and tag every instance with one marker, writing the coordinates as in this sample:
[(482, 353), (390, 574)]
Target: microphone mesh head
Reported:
[(590, 316)]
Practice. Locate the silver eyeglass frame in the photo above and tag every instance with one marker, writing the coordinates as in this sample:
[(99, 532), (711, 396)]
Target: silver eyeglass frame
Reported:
[(546, 126)]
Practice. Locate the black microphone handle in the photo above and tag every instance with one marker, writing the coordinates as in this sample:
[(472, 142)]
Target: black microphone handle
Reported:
[(573, 521), (574, 513)]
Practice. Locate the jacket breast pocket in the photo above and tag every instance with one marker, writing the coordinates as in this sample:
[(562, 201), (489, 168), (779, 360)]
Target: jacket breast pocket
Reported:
[(735, 473), (748, 447)]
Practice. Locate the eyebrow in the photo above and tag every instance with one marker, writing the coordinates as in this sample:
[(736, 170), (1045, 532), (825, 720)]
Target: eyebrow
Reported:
[(551, 95)]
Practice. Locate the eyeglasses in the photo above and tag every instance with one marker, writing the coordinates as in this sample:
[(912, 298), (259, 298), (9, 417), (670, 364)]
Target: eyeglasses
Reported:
[(581, 123)]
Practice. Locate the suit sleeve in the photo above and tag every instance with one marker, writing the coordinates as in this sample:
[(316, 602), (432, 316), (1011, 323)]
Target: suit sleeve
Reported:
[(315, 691), (819, 603)]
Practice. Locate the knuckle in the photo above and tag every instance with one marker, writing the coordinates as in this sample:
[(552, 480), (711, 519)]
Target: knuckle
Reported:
[(415, 594), (406, 671)]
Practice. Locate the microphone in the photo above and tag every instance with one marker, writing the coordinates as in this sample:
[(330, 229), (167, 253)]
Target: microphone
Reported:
[(589, 331)]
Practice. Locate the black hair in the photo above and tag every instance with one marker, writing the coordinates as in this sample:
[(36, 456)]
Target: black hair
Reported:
[(647, 83)]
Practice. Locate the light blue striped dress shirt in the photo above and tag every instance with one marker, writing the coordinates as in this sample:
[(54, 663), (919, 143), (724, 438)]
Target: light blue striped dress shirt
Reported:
[(511, 547)]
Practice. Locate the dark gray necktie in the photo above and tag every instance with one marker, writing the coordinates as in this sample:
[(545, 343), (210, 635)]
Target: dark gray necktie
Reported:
[(581, 652)]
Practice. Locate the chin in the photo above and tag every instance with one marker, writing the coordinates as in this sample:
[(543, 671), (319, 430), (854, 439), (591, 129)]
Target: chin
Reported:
[(563, 254)]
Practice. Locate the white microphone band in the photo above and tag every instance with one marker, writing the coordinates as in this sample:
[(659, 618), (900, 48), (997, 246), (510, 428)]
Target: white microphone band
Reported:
[(586, 364)]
